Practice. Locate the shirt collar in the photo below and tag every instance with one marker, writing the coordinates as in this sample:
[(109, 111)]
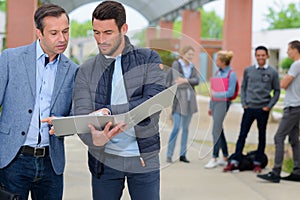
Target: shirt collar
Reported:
[(40, 52), (183, 63), (225, 69), (265, 66)]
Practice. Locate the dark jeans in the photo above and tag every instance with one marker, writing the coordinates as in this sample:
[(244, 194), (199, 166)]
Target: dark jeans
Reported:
[(27, 173), (261, 117), (110, 185)]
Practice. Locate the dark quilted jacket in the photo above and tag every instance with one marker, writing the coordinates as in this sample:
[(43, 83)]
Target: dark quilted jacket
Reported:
[(143, 78)]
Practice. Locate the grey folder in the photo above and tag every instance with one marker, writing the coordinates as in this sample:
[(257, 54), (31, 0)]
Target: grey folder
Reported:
[(79, 124)]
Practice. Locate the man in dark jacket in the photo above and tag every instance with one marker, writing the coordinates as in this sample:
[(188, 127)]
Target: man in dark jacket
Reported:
[(117, 80)]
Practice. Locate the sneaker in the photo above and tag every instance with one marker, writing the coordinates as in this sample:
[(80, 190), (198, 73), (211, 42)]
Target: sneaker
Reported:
[(169, 160), (231, 167), (211, 164), (292, 177), (270, 177), (257, 169), (222, 162)]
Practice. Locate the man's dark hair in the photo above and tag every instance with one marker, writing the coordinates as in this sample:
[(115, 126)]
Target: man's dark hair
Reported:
[(262, 48), (110, 10), (46, 10), (295, 44)]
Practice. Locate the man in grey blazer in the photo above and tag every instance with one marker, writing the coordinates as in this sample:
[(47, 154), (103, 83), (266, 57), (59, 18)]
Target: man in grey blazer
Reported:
[(31, 89)]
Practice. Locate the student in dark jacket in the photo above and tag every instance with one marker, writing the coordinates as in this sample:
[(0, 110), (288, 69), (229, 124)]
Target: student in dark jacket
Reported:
[(115, 81)]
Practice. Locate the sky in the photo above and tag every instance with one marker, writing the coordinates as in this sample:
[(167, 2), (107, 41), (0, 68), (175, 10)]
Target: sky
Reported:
[(136, 21)]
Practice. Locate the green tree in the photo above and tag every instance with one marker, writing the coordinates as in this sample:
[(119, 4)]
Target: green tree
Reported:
[(211, 25), (81, 29), (282, 16), (139, 37), (286, 63), (3, 5)]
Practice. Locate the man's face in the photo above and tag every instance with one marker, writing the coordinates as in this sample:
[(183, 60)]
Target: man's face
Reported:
[(54, 40), (109, 38), (291, 52), (261, 57)]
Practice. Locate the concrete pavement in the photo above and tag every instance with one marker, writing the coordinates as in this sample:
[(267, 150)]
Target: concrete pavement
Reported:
[(181, 181)]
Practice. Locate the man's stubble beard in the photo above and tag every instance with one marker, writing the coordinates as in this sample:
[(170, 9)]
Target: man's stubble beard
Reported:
[(115, 46)]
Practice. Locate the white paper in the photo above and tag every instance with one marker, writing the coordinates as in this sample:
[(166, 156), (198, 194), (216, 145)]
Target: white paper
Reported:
[(79, 124)]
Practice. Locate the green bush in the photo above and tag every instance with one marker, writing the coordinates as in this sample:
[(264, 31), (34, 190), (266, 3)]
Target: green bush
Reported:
[(167, 58), (286, 63)]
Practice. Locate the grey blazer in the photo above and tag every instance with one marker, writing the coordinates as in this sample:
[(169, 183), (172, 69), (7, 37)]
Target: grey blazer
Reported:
[(180, 103), (17, 98)]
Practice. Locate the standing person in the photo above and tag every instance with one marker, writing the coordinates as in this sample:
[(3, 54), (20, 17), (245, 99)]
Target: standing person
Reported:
[(183, 73), (119, 78), (258, 82), (289, 125), (32, 89), (219, 106)]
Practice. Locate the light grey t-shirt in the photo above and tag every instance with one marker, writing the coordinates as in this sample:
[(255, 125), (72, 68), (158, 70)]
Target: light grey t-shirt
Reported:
[(292, 96)]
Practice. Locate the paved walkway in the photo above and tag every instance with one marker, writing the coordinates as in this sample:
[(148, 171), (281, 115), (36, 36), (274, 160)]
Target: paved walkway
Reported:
[(180, 181)]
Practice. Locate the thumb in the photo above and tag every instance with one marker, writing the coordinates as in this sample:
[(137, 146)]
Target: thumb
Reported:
[(92, 128)]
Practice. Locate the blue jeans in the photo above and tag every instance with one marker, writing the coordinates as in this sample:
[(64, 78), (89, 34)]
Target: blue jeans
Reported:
[(110, 185), (179, 120), (27, 173), (261, 117)]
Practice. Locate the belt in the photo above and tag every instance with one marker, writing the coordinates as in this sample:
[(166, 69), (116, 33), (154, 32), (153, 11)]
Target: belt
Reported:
[(35, 151)]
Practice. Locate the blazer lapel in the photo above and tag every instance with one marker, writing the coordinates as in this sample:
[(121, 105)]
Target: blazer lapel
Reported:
[(29, 59), (62, 69)]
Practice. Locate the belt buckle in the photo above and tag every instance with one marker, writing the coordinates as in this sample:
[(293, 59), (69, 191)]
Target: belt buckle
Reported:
[(39, 152)]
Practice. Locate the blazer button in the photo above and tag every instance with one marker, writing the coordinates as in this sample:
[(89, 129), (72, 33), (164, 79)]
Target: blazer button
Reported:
[(23, 133), (29, 111)]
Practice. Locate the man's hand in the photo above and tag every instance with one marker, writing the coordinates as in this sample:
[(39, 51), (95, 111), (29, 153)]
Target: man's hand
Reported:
[(101, 112), (100, 138), (266, 109), (49, 121), (209, 112)]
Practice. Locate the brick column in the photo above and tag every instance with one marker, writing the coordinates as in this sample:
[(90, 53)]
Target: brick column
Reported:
[(191, 29), (20, 22), (150, 34), (166, 29), (237, 33)]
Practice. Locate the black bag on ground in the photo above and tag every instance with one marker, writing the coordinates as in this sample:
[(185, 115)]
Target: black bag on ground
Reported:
[(246, 162), (5, 195)]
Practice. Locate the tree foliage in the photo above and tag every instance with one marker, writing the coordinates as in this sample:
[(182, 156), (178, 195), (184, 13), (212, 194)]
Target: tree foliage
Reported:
[(286, 63), (81, 29), (211, 25), (282, 17), (3, 5)]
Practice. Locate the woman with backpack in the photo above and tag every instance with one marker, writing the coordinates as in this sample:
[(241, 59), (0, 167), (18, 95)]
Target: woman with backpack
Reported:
[(224, 89)]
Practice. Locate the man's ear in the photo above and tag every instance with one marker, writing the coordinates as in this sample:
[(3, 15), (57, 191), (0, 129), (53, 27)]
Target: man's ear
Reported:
[(124, 29), (38, 33)]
